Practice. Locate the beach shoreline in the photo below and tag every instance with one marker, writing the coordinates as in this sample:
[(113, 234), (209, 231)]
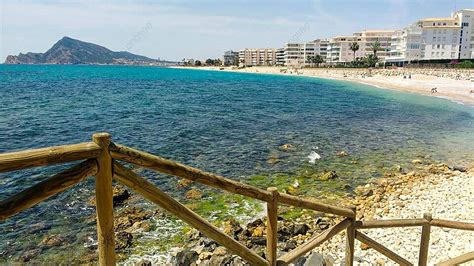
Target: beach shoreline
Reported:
[(452, 84)]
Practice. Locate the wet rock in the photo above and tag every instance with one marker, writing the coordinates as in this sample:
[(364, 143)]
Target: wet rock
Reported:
[(144, 263), (328, 175), (342, 154), (186, 257), (52, 241), (259, 241), (29, 255), (286, 147), (273, 160), (232, 228), (183, 183), (120, 195), (367, 193), (123, 240), (459, 168), (300, 229), (289, 245), (193, 194), (127, 217), (38, 227)]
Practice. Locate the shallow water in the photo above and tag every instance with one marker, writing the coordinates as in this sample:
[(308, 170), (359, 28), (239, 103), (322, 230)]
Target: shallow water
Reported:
[(227, 123)]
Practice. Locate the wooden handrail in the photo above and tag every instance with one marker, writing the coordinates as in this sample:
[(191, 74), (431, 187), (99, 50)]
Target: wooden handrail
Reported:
[(313, 242), (380, 248), (157, 163), (47, 188), (152, 193), (315, 206), (390, 223), (272, 226), (452, 224), (99, 155), (458, 260), (425, 241), (48, 156), (104, 201)]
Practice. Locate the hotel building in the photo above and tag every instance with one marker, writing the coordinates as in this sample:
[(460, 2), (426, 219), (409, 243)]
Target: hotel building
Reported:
[(339, 51), (435, 39), (257, 57), (298, 54)]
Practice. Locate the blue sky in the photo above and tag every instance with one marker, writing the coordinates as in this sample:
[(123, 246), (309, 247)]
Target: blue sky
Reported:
[(174, 30)]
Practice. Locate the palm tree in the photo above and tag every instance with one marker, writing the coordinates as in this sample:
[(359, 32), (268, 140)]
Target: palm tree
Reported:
[(354, 48), (318, 59), (375, 47)]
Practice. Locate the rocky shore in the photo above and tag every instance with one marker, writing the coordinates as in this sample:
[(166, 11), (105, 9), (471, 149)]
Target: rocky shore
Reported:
[(445, 192)]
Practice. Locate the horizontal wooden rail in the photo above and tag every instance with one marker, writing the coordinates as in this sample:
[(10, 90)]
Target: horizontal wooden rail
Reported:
[(452, 224), (316, 206), (313, 242), (382, 249), (157, 163), (458, 260), (391, 223), (48, 156), (152, 193), (46, 188)]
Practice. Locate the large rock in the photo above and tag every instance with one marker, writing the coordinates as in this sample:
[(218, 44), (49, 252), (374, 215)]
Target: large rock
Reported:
[(52, 241), (186, 257), (328, 175)]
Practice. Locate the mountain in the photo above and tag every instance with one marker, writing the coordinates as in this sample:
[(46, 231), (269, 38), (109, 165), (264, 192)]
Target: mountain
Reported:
[(72, 51)]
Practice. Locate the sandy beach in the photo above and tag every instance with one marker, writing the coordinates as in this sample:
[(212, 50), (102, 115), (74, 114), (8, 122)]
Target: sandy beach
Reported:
[(453, 84)]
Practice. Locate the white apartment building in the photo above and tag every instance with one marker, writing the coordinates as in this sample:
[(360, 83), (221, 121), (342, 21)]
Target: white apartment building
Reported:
[(406, 44), (435, 39), (339, 51), (257, 57), (465, 19), (298, 54)]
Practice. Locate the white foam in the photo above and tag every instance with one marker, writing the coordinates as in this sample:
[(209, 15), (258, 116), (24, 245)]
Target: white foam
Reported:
[(313, 156)]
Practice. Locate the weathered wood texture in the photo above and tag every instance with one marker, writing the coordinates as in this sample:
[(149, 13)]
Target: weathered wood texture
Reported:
[(313, 242), (315, 206), (47, 156), (272, 226), (452, 224), (152, 193), (390, 223), (458, 260), (382, 249), (47, 188), (425, 241), (104, 204), (350, 241), (157, 163)]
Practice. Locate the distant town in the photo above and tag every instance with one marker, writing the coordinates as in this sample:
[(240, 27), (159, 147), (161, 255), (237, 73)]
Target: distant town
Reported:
[(429, 40)]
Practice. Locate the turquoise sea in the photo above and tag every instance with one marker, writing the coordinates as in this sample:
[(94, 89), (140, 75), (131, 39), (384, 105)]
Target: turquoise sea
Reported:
[(227, 123)]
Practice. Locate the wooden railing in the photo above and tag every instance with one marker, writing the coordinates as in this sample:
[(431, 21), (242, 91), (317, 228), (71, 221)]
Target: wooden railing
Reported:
[(101, 157)]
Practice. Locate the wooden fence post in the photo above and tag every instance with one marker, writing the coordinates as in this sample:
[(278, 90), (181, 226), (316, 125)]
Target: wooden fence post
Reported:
[(272, 226), (104, 205), (350, 239), (425, 241)]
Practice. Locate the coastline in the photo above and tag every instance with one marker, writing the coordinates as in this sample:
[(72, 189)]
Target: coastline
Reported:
[(421, 81)]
